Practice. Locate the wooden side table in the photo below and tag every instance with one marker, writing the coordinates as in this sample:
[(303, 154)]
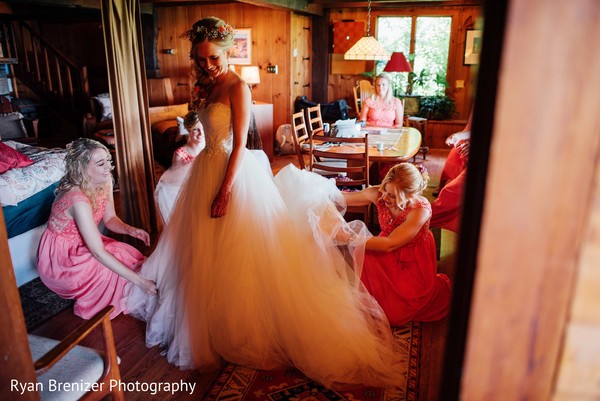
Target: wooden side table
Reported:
[(419, 123)]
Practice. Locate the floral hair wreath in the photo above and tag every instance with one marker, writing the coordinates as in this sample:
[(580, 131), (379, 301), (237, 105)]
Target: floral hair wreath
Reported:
[(422, 169), (202, 32)]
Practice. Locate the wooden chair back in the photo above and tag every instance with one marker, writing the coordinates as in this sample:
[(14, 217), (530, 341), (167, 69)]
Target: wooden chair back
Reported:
[(349, 168), (44, 363), (362, 90), (300, 135), (314, 119)]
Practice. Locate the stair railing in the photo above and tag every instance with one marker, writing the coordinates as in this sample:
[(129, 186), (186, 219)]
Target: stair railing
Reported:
[(48, 68)]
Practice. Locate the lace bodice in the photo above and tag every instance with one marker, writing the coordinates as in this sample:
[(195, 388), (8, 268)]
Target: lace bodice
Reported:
[(216, 119), (388, 223), (381, 113), (62, 224)]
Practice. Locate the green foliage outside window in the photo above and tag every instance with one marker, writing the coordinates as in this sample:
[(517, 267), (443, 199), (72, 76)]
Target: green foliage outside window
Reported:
[(430, 59)]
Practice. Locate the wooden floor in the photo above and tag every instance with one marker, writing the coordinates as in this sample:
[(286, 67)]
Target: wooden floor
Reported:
[(142, 365)]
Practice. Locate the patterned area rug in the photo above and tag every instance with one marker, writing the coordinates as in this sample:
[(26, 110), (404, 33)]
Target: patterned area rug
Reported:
[(39, 303), (237, 383)]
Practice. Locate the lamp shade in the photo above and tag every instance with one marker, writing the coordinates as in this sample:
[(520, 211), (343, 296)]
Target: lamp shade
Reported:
[(251, 75), (397, 63), (367, 48)]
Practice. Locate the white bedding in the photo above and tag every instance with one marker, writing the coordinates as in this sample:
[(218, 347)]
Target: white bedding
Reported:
[(23, 252), (19, 184)]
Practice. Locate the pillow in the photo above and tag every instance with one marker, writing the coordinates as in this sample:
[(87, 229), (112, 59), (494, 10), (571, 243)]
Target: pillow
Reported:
[(103, 101), (11, 126), (161, 113), (12, 158)]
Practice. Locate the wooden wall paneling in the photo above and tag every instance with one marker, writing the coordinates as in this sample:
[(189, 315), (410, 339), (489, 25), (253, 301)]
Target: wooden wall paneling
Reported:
[(538, 200), (439, 130), (278, 52), (320, 56), (16, 363), (301, 55), (579, 372), (270, 45)]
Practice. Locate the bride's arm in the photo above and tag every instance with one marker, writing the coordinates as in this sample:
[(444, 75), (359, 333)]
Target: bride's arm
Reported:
[(240, 103)]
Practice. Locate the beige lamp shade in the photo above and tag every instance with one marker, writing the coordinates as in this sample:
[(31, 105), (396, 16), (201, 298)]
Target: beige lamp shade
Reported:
[(367, 48), (251, 74)]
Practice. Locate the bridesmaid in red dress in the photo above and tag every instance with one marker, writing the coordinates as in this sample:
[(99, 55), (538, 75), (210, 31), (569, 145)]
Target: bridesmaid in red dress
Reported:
[(74, 259), (400, 266)]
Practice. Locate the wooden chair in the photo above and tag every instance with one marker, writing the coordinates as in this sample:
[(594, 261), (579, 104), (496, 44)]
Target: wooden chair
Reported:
[(362, 90), (314, 119), (300, 136), (349, 167), (66, 361)]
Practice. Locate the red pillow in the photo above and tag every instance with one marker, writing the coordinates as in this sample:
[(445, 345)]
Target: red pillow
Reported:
[(11, 158)]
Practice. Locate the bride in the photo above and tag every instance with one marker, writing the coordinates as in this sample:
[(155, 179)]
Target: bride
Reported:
[(250, 268)]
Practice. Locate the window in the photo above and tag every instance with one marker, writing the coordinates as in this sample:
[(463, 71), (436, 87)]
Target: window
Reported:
[(429, 55)]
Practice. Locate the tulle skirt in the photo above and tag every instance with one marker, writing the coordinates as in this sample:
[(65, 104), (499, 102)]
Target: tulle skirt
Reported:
[(272, 283)]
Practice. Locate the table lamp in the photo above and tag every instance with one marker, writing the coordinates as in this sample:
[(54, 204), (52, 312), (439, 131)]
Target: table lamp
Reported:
[(397, 63), (251, 75)]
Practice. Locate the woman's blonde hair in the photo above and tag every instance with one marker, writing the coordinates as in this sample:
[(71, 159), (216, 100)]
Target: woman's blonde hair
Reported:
[(407, 181), (389, 96), (79, 154), (210, 29)]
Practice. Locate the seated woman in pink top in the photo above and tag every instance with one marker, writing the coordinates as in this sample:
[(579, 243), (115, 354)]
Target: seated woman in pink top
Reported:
[(74, 259), (382, 109)]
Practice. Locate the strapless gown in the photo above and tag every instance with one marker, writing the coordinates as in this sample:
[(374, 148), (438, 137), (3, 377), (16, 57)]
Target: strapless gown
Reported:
[(269, 284)]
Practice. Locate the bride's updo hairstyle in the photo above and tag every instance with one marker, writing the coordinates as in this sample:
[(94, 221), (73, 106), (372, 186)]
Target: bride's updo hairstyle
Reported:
[(211, 29)]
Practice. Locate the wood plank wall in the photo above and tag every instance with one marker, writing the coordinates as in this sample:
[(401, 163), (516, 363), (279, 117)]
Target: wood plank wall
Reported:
[(463, 18), (275, 35), (270, 45), (534, 326)]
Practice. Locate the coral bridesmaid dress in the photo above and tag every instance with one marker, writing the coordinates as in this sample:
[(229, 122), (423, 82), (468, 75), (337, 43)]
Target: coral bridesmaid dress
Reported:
[(68, 268)]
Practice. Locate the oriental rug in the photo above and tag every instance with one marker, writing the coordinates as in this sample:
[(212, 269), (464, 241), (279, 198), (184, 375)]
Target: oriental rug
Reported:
[(239, 383), (39, 303)]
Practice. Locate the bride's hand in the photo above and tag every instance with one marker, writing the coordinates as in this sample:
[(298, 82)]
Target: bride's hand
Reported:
[(219, 205)]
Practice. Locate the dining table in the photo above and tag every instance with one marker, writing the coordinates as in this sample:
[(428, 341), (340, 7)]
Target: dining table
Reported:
[(385, 144)]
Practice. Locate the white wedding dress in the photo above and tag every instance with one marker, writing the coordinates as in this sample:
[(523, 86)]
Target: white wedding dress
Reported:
[(267, 285)]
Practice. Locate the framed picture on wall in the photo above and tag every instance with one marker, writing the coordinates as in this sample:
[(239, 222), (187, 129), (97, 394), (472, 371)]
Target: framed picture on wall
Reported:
[(472, 46), (241, 51)]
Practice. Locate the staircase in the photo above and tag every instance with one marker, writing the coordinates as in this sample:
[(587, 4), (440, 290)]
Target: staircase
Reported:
[(58, 86)]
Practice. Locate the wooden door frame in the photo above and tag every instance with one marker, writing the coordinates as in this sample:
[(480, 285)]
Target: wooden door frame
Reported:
[(532, 176)]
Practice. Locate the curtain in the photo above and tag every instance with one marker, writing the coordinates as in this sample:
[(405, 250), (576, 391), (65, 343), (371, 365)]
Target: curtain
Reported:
[(127, 83)]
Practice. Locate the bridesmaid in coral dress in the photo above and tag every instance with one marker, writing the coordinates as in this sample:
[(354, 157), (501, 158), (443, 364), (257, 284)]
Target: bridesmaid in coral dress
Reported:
[(400, 267), (74, 259)]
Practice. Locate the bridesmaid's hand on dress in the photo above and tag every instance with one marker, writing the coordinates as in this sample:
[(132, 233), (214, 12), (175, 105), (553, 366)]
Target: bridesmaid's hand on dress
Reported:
[(148, 286), (139, 234), (219, 205)]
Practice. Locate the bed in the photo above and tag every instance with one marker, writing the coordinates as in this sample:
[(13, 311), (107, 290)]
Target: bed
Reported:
[(26, 195)]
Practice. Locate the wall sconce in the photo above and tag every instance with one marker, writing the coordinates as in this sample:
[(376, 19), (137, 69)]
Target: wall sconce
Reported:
[(251, 75), (169, 51)]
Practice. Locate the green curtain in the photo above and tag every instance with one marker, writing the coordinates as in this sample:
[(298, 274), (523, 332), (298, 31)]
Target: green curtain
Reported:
[(128, 91)]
